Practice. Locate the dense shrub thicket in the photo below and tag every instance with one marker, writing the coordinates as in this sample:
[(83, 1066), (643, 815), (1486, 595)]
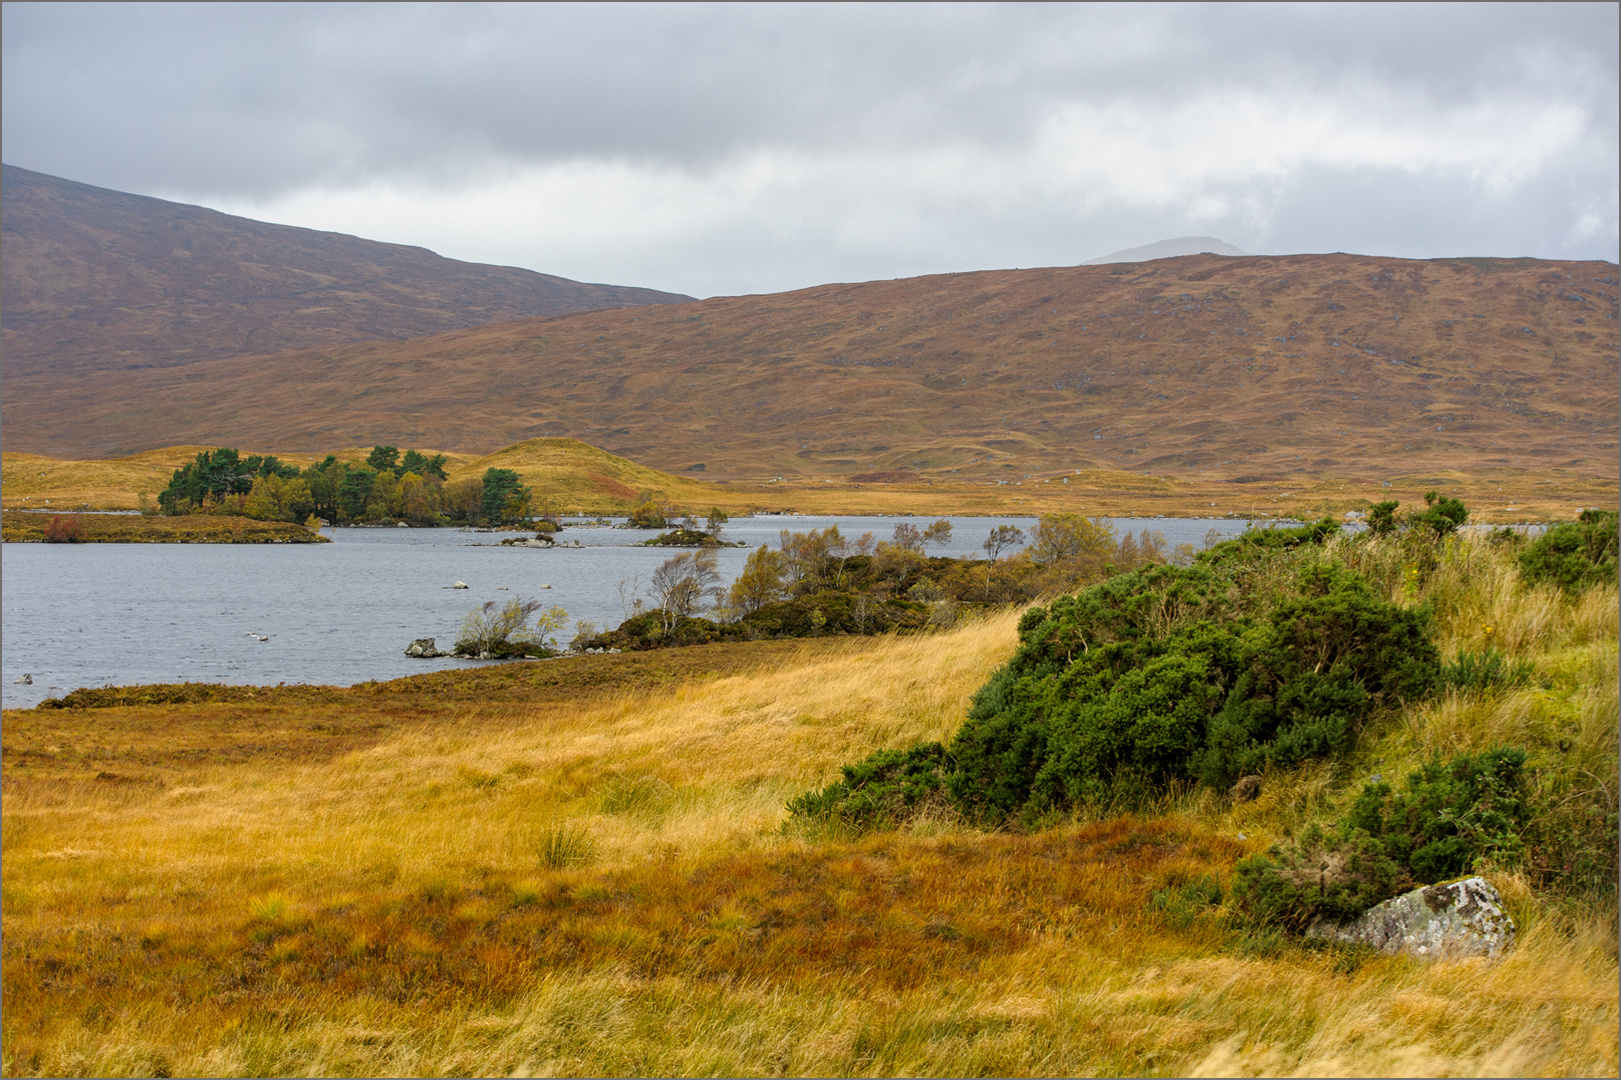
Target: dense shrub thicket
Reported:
[(1264, 653), (812, 615), (1154, 677), (822, 582), (1446, 816), (1163, 676), (883, 790), (1575, 554)]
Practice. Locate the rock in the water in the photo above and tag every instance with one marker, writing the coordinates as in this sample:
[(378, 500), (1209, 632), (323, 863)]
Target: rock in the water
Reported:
[(424, 649), (458, 585), (27, 679), (1458, 919)]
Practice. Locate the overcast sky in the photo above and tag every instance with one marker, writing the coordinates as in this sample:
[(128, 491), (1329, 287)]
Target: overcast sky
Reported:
[(734, 149)]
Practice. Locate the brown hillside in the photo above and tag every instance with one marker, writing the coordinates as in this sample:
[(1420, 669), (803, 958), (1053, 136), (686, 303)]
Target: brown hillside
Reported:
[(1203, 367), (97, 280)]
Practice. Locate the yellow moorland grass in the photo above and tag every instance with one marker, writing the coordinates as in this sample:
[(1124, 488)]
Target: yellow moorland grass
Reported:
[(600, 881), (23, 527), (573, 477)]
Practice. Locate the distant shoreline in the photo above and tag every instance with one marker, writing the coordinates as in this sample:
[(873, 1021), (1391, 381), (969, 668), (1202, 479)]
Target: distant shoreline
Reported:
[(92, 527)]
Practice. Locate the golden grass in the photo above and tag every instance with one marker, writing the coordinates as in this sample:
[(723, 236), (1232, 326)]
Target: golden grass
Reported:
[(576, 478), (21, 527), (34, 481), (556, 871)]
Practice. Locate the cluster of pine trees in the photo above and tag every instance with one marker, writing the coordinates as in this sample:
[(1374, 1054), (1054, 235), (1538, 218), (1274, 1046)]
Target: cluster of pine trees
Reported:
[(390, 486)]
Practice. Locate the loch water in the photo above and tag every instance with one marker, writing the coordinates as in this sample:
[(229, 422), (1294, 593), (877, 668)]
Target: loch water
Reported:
[(75, 615)]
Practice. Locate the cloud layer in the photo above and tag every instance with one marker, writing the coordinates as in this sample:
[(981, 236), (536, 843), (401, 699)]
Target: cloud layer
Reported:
[(749, 149)]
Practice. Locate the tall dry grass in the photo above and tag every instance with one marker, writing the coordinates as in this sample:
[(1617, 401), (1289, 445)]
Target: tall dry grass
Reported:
[(603, 885), (700, 770)]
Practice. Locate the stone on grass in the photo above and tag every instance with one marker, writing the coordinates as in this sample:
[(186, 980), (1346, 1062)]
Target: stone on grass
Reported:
[(1453, 920)]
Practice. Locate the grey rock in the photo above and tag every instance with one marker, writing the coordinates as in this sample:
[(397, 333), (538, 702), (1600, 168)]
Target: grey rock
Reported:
[(1452, 920), (424, 649), (458, 585), (27, 679)]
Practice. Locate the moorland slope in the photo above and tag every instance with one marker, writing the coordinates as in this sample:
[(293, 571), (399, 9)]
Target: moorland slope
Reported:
[(99, 280), (1203, 367)]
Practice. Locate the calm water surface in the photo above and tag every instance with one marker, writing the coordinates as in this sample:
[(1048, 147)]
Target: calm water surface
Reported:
[(76, 615)]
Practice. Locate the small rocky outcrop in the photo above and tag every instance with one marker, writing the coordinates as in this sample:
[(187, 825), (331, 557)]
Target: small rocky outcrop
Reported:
[(424, 649), (693, 538), (457, 585), (1454, 920)]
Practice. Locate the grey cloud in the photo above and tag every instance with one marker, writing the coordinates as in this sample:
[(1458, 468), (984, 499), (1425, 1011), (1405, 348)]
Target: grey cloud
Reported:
[(255, 100), (248, 104)]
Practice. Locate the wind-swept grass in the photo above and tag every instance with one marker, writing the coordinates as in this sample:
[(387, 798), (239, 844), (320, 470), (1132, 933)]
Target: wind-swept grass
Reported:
[(589, 873)]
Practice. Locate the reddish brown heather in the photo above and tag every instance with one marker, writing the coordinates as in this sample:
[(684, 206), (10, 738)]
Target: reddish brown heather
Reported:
[(99, 280), (1201, 367)]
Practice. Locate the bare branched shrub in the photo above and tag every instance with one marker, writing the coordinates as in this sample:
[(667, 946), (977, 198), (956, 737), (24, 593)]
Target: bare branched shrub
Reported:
[(681, 583), (497, 629), (584, 631)]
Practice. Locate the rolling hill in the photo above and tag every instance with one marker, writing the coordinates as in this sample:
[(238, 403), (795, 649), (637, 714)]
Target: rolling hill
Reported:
[(1256, 369), (98, 280)]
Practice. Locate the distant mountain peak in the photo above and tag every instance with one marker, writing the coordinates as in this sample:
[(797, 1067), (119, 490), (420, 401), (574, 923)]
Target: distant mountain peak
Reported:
[(1169, 249)]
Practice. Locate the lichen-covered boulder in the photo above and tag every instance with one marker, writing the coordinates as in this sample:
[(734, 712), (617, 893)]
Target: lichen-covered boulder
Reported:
[(1453, 920)]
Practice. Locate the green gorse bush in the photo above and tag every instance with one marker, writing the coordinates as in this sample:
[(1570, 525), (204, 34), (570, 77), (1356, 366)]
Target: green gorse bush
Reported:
[(1447, 817), (1575, 554)]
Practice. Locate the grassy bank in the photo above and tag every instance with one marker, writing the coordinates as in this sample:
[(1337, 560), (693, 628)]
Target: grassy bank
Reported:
[(579, 479), (581, 866), (24, 527)]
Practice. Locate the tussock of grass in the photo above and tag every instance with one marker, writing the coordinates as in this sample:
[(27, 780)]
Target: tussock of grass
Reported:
[(561, 872)]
